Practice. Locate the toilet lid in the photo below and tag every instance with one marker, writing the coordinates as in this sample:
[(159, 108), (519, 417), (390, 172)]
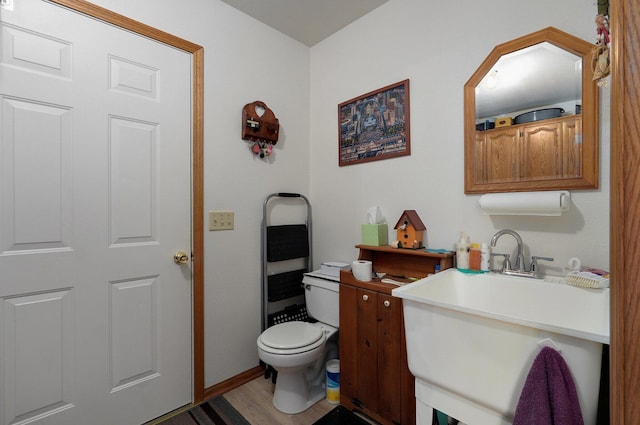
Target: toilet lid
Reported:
[(291, 335)]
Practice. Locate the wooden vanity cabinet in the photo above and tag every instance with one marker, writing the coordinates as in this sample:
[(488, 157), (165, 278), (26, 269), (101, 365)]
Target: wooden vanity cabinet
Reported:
[(374, 374), (541, 150)]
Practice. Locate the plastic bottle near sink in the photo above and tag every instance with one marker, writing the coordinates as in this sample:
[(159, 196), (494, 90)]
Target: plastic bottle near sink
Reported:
[(462, 252), (474, 257), (485, 257)]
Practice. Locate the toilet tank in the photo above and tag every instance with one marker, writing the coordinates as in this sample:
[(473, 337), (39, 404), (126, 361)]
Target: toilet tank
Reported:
[(322, 297)]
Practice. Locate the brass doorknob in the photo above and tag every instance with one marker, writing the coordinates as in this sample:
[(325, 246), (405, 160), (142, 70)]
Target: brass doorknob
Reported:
[(181, 257)]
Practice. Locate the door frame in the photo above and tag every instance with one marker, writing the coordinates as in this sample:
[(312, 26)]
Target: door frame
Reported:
[(625, 215), (197, 170)]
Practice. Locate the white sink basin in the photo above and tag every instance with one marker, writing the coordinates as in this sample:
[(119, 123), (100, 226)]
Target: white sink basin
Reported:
[(471, 340), (546, 304)]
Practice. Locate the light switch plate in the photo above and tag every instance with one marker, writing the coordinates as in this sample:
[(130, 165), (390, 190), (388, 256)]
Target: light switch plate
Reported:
[(220, 220)]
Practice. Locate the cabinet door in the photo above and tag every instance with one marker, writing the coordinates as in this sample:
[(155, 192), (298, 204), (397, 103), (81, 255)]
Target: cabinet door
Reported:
[(373, 368), (407, 381), (572, 148), (390, 362), (542, 151), (480, 157), (501, 155), (348, 348), (367, 346)]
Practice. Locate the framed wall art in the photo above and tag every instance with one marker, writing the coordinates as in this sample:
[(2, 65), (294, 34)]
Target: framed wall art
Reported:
[(374, 126)]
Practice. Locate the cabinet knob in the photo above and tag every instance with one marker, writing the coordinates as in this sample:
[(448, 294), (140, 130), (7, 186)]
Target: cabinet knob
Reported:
[(386, 303), (365, 297)]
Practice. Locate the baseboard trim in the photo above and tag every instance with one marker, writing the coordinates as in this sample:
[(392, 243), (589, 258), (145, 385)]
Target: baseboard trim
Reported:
[(233, 382)]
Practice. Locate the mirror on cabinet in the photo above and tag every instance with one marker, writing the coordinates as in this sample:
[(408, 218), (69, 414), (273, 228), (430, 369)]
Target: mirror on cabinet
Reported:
[(531, 117)]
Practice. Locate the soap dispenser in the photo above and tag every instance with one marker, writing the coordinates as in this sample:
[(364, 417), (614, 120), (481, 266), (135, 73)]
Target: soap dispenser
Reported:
[(462, 252)]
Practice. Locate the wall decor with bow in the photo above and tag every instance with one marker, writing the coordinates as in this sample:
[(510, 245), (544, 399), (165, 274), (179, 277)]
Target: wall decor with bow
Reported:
[(260, 127), (601, 52)]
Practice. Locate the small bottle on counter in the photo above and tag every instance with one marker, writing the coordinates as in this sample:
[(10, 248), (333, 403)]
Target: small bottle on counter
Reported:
[(474, 257), (462, 252), (485, 257)]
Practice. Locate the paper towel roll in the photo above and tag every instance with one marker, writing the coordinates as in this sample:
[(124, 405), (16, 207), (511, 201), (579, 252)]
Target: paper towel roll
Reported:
[(362, 270), (552, 203)]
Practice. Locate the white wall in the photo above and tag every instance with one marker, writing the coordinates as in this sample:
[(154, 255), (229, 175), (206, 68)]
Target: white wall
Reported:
[(244, 61), (438, 46)]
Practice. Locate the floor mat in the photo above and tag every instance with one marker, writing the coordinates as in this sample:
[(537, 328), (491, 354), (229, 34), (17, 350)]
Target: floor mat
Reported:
[(340, 416), (213, 412)]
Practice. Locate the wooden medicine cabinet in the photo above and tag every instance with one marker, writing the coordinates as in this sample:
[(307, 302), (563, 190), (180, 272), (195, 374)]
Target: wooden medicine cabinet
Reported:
[(545, 72)]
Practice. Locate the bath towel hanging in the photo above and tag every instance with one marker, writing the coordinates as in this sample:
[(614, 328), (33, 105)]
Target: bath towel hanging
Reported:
[(549, 395)]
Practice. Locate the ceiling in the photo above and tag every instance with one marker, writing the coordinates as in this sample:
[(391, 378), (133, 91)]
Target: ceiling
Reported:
[(553, 79), (541, 75), (308, 21)]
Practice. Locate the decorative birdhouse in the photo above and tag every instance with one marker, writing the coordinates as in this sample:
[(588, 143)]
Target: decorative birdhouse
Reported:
[(410, 230)]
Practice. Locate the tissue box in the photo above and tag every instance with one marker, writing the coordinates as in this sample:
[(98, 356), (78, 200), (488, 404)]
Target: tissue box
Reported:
[(332, 268), (375, 234)]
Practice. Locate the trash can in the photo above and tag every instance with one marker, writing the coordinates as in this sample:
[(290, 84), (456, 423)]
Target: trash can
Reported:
[(333, 381)]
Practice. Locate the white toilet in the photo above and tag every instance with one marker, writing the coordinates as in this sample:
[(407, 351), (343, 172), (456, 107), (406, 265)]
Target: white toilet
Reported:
[(299, 350)]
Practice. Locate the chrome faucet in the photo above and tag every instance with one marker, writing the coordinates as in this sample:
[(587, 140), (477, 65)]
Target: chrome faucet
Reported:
[(520, 269), (520, 250)]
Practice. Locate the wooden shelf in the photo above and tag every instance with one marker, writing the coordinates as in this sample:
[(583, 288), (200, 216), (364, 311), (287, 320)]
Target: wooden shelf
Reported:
[(410, 263)]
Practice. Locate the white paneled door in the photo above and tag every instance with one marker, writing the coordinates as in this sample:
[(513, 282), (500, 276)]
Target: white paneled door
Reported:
[(95, 199)]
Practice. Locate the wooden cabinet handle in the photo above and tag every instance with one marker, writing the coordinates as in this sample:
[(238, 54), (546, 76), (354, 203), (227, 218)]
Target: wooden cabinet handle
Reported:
[(386, 303), (365, 297)]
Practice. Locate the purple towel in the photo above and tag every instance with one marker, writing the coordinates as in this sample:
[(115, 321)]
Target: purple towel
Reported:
[(549, 395)]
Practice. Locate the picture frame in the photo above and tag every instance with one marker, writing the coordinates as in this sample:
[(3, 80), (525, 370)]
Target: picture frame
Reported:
[(375, 125)]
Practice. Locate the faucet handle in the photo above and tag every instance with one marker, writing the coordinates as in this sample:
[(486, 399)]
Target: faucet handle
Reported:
[(534, 262), (506, 264)]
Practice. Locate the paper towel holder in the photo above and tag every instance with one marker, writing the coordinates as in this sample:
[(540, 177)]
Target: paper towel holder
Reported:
[(550, 203)]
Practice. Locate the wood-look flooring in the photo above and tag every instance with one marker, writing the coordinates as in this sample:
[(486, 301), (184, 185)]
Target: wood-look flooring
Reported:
[(253, 401)]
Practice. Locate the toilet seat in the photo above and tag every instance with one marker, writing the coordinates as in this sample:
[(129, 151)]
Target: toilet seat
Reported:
[(291, 338)]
